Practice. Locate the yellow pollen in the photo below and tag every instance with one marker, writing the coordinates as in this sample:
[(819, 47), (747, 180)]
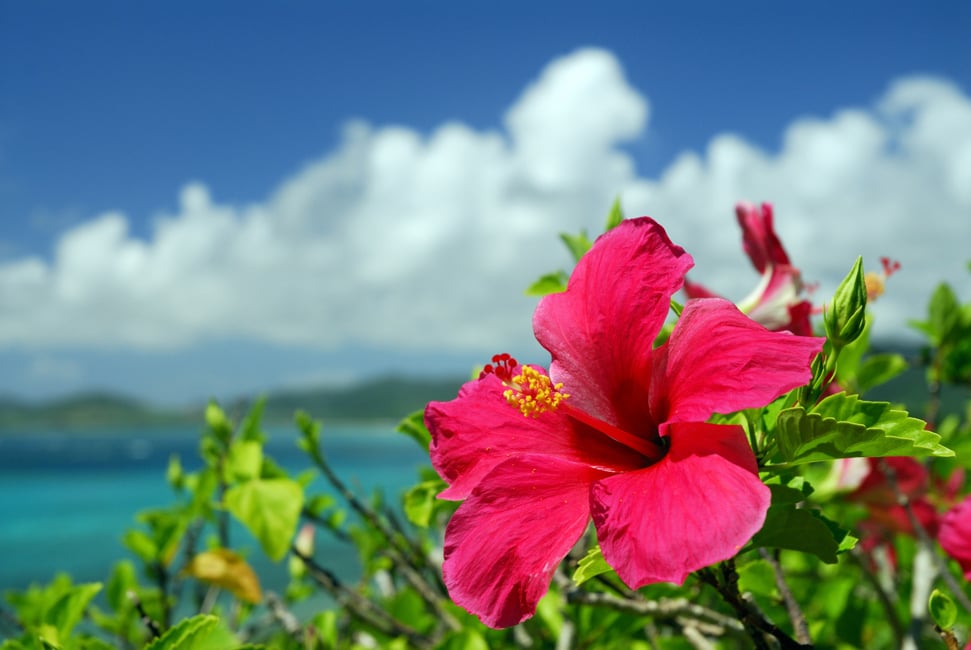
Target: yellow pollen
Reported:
[(534, 393), (874, 285)]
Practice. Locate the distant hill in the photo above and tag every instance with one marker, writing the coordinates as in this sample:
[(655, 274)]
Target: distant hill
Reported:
[(84, 411), (388, 398), (379, 399)]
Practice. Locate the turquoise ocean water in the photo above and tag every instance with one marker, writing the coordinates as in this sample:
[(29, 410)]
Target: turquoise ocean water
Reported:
[(66, 499)]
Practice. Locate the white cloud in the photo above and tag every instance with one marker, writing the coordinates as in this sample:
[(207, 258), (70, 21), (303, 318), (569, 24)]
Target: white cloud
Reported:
[(400, 239)]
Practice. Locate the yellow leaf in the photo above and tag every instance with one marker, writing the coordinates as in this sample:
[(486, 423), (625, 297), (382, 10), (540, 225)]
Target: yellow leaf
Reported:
[(228, 570)]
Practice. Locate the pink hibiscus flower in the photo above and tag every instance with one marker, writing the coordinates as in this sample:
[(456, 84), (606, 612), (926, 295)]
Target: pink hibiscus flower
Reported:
[(886, 517), (776, 301), (927, 498), (616, 432), (955, 535)]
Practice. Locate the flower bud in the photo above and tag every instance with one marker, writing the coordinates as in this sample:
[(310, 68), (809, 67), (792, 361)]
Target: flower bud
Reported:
[(846, 317)]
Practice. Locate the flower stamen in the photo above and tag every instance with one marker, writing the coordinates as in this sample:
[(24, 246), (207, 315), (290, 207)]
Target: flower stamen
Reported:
[(534, 393), (504, 366)]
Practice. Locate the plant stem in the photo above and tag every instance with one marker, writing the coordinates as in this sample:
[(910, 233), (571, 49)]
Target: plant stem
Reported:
[(361, 607), (888, 607), (402, 554), (755, 623), (799, 625)]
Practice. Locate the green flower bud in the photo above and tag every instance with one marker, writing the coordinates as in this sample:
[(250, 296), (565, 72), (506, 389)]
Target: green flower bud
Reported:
[(846, 317)]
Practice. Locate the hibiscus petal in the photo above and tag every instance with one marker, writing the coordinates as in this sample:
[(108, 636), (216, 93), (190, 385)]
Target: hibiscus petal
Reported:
[(698, 505), (770, 303), (696, 290), (955, 535), (504, 543), (718, 361), (480, 429), (758, 236), (601, 331)]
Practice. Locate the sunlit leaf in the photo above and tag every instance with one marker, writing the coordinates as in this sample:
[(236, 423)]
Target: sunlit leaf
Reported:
[(123, 579), (245, 460), (188, 634), (251, 428), (419, 502), (550, 283), (219, 425), (69, 608), (615, 216), (878, 369), (844, 426), (270, 509), (592, 564), (414, 427), (578, 244), (797, 529), (467, 639), (942, 609), (224, 568)]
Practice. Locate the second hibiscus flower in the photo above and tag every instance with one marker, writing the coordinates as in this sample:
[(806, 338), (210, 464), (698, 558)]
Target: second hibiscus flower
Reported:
[(615, 432)]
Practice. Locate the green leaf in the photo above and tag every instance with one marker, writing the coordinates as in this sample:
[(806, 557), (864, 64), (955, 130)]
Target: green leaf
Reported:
[(325, 623), (844, 426), (942, 609), (467, 639), (419, 502), (123, 579), (141, 544), (189, 634), (757, 577), (797, 529), (550, 283), (218, 423), (174, 474), (251, 428), (796, 491), (578, 244), (615, 216), (245, 460), (592, 564), (414, 427), (270, 509), (878, 369), (310, 430), (69, 608)]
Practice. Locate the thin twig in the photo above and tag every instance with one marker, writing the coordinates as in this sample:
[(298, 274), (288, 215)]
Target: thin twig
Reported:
[(313, 517), (799, 625), (888, 606), (400, 553), (12, 621), (754, 621), (662, 609), (697, 640), (361, 607), (947, 636), (147, 621), (283, 616)]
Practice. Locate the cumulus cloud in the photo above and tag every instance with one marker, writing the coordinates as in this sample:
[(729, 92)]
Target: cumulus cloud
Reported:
[(398, 239)]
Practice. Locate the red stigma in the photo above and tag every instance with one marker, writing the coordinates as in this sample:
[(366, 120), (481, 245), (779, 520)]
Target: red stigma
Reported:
[(504, 367), (889, 266)]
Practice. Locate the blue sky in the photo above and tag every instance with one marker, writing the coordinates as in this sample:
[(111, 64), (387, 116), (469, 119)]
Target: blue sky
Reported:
[(211, 198)]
